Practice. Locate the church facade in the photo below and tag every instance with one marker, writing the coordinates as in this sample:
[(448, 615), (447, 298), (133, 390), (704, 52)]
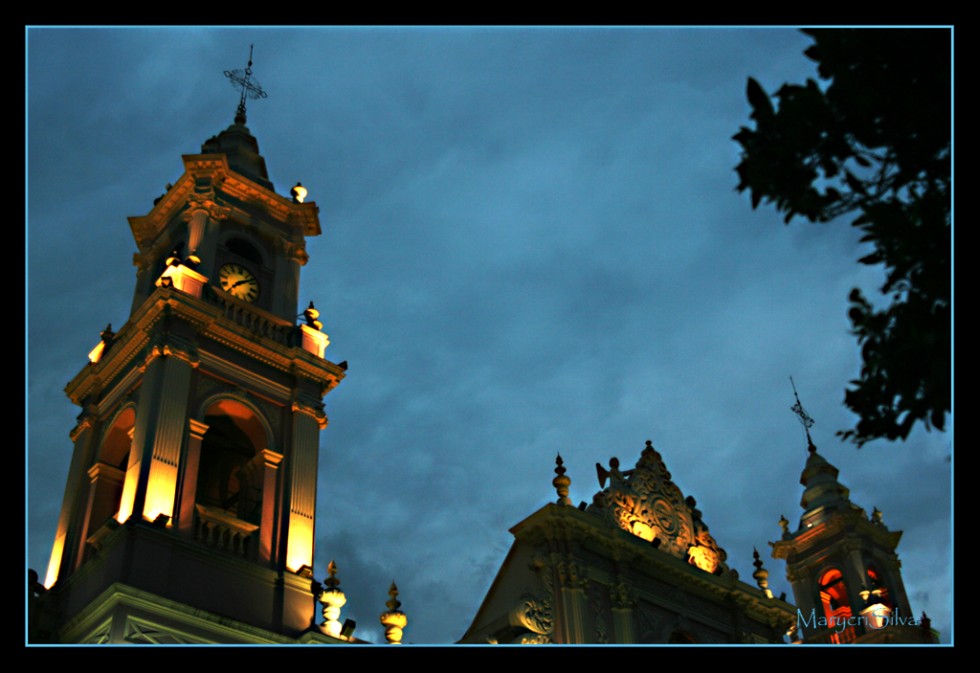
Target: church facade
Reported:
[(638, 565)]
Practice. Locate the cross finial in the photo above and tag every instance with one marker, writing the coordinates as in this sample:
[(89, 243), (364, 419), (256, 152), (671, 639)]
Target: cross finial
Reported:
[(250, 87), (805, 419)]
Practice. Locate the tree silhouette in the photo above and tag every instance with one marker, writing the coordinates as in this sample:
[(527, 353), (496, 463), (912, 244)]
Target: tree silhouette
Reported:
[(873, 140)]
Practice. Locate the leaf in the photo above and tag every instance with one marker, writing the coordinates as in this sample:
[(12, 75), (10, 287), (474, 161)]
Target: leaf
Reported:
[(759, 101)]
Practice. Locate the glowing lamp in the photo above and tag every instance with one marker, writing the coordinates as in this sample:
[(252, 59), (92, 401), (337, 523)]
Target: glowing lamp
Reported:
[(299, 193), (876, 615), (183, 278), (313, 341), (643, 530), (55, 564), (96, 353)]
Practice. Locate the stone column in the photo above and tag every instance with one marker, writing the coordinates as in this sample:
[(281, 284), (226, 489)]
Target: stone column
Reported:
[(573, 583), (302, 466), (161, 423), (855, 576), (623, 604), (187, 490), (105, 485), (269, 465), (66, 547), (807, 597)]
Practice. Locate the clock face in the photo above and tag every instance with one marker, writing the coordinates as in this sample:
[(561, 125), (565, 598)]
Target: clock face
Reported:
[(239, 282)]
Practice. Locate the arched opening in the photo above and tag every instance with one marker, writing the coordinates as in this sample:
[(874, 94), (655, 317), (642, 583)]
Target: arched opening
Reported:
[(836, 604), (118, 440), (229, 476), (108, 475), (876, 585), (232, 480)]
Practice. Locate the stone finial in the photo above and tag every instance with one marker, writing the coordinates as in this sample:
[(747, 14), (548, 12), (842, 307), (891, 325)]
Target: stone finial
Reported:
[(107, 334), (311, 315), (561, 482), (394, 620), (877, 517), (332, 582), (761, 575), (784, 524), (332, 599)]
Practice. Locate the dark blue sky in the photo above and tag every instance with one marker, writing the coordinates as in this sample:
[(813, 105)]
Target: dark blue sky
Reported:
[(532, 243)]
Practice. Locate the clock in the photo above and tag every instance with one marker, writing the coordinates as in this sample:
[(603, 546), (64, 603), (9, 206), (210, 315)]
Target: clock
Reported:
[(239, 282)]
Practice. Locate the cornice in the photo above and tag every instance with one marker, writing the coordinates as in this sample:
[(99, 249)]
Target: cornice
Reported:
[(851, 527), (133, 339), (225, 184)]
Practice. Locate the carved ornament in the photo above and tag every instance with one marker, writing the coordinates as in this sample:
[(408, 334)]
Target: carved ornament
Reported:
[(537, 639), (623, 597), (534, 614), (645, 502), (207, 204), (572, 575), (599, 615), (316, 413)]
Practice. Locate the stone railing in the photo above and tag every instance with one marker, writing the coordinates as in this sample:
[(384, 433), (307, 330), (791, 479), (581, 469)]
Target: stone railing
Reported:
[(217, 529), (833, 636), (253, 319)]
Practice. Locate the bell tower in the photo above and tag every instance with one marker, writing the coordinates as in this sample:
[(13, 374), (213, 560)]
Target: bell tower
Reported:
[(189, 510), (842, 564)]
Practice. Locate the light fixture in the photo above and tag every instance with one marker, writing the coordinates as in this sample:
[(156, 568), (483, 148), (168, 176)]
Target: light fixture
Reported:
[(299, 192), (347, 630)]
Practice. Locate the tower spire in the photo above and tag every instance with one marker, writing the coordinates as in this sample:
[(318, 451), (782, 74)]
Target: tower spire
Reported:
[(805, 419), (250, 87)]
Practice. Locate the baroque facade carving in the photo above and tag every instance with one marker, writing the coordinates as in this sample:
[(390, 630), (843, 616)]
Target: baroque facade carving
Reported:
[(622, 596), (600, 613), (535, 615), (645, 501), (572, 575)]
